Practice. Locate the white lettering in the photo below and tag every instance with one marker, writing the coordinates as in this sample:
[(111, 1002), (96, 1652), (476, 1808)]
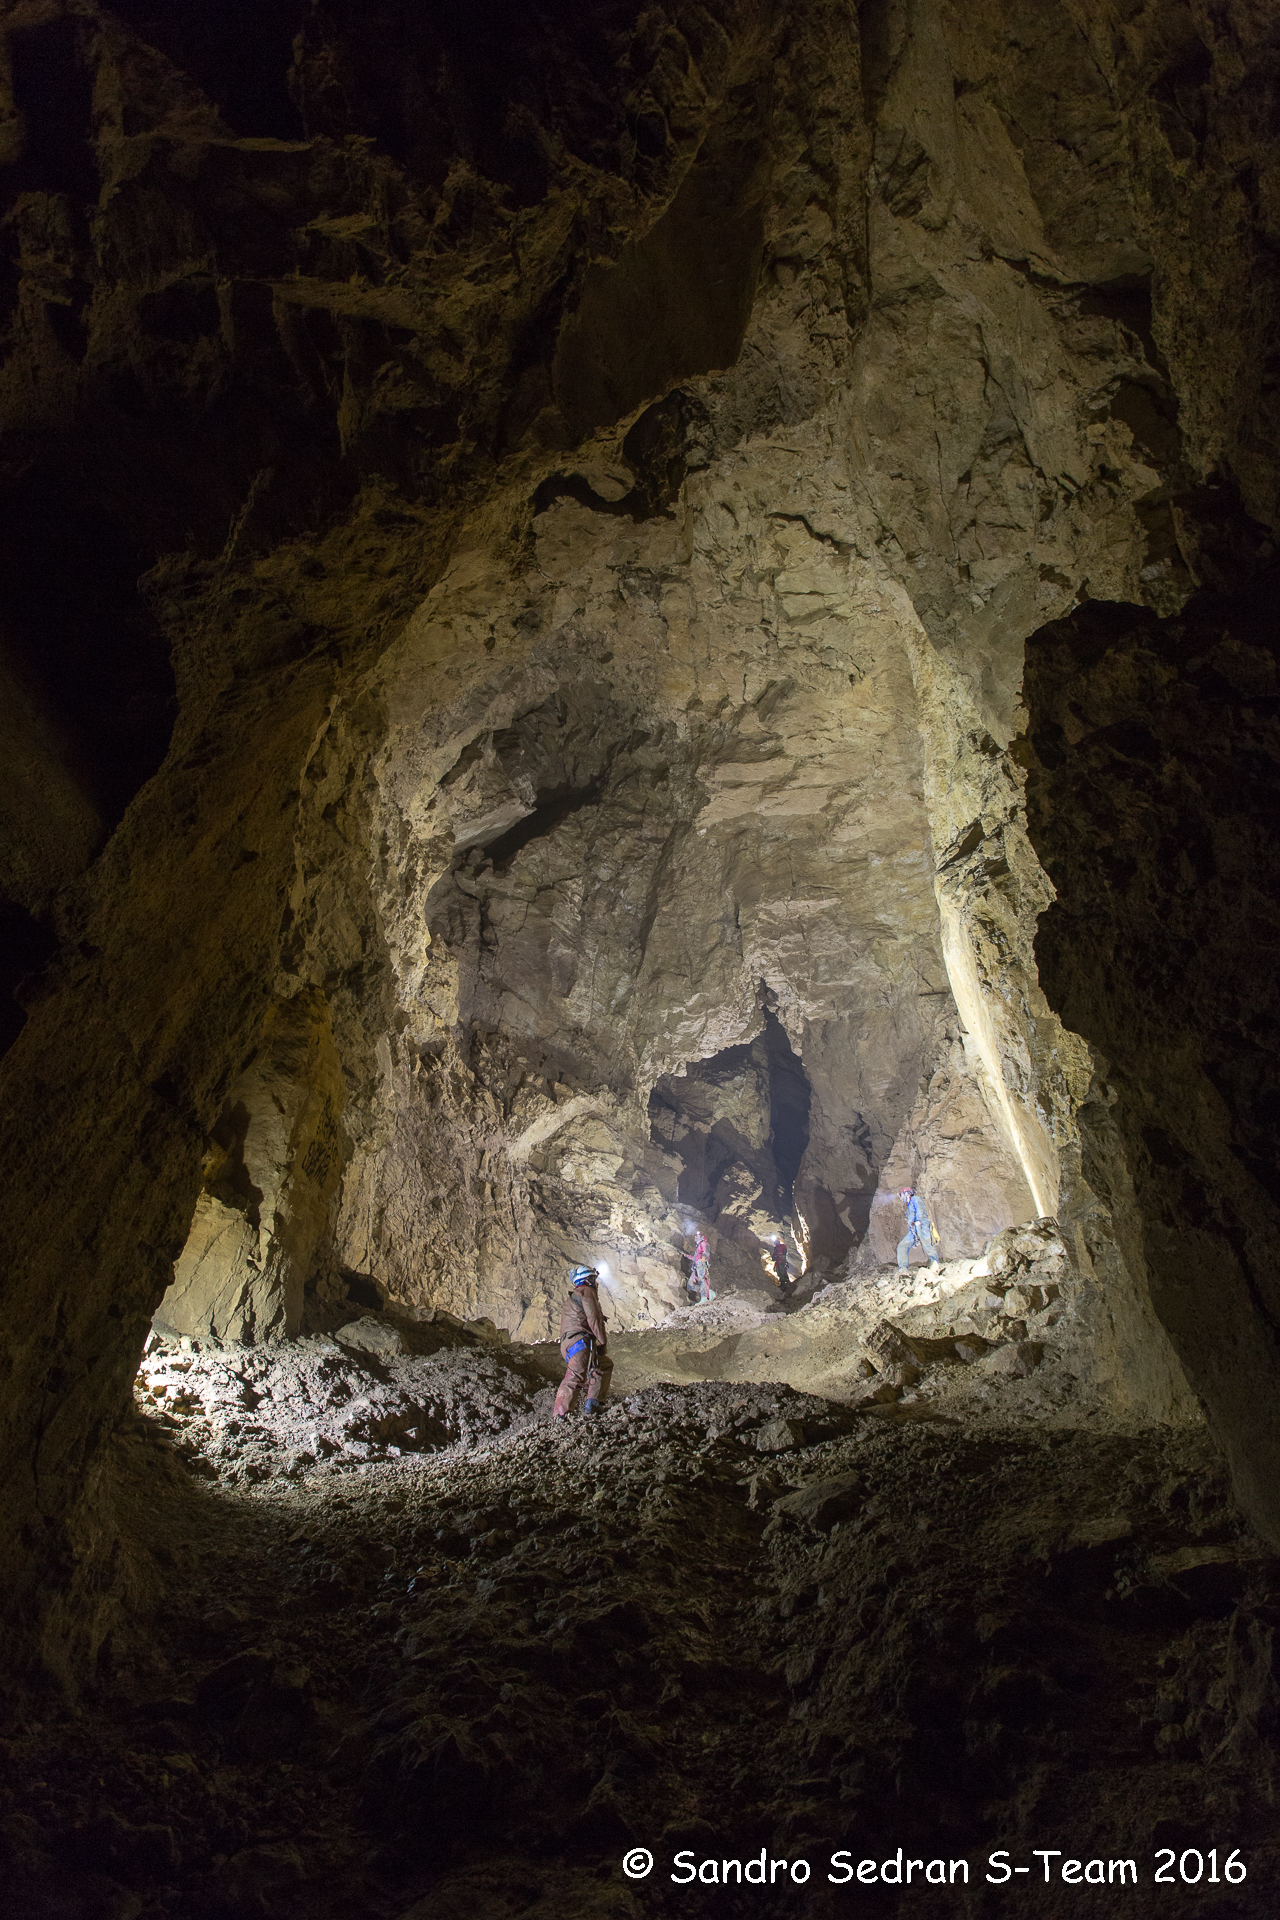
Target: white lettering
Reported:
[(1122, 1867), (1047, 1854), (894, 1879), (866, 1871), (773, 1869), (964, 1872), (796, 1874), (1071, 1871), (844, 1861), (911, 1867), (689, 1871), (756, 1870), (711, 1879), (724, 1871), (938, 1879), (1003, 1871), (1098, 1879)]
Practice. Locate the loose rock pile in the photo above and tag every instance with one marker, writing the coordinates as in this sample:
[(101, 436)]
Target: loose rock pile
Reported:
[(421, 1652), (989, 1339), (378, 1389), (720, 1616)]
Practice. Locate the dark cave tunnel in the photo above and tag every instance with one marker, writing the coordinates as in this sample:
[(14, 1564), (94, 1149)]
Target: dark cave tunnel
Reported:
[(87, 667), (789, 1100), (744, 1108)]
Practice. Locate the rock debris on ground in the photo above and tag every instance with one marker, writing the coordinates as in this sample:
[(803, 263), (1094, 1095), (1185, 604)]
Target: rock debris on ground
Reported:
[(417, 1651)]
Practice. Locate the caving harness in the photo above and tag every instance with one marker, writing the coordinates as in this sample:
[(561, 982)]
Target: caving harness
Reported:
[(579, 1278)]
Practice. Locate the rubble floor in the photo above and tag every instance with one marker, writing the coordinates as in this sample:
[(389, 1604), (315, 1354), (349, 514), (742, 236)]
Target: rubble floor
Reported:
[(404, 1648)]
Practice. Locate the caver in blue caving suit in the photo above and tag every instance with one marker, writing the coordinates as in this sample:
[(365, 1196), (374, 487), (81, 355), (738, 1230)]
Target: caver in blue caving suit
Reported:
[(920, 1229)]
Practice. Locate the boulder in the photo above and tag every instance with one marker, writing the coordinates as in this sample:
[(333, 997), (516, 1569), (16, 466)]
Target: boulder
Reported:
[(891, 1355), (1092, 1535), (882, 1396), (1016, 1361), (370, 1335), (1210, 1579), (779, 1436), (822, 1502)]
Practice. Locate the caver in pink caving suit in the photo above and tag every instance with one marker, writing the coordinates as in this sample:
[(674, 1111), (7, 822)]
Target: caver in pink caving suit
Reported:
[(582, 1343), (700, 1278)]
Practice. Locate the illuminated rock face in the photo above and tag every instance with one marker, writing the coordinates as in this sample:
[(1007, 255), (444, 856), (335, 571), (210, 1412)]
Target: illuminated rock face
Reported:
[(268, 1179), (598, 549)]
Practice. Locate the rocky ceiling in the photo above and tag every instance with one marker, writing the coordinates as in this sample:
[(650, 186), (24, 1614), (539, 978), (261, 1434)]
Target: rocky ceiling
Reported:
[(574, 583)]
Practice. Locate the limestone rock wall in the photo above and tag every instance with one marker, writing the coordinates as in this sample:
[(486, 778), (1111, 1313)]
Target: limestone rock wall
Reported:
[(597, 545), (1153, 751), (952, 1151), (631, 844), (271, 1170)]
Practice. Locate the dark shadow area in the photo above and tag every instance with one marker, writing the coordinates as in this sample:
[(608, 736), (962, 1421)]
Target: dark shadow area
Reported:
[(573, 486), (677, 301), (739, 1122), (70, 604), (488, 83), (789, 1098), (834, 1665), (715, 1112), (426, 82), (552, 809), (1153, 805), (1153, 758), (240, 52), (53, 91), (1127, 303), (658, 452), (25, 947)]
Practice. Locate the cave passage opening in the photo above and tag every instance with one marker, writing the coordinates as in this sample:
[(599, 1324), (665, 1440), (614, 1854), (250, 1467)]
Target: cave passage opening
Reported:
[(739, 1123), (87, 706), (790, 1097)]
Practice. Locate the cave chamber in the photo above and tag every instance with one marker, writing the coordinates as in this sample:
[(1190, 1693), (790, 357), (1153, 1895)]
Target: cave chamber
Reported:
[(618, 621)]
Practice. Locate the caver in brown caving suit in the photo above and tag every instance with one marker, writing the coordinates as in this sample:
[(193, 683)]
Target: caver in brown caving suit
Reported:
[(582, 1344)]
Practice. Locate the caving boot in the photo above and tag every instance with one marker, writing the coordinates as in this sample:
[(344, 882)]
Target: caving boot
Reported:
[(591, 1406)]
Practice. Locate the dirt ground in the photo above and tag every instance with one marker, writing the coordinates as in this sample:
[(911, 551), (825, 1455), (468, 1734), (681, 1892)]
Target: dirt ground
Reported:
[(416, 1652)]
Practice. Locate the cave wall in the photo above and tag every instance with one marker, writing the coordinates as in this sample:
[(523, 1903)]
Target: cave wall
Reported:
[(347, 360), (631, 935), (1153, 752), (267, 1180)]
